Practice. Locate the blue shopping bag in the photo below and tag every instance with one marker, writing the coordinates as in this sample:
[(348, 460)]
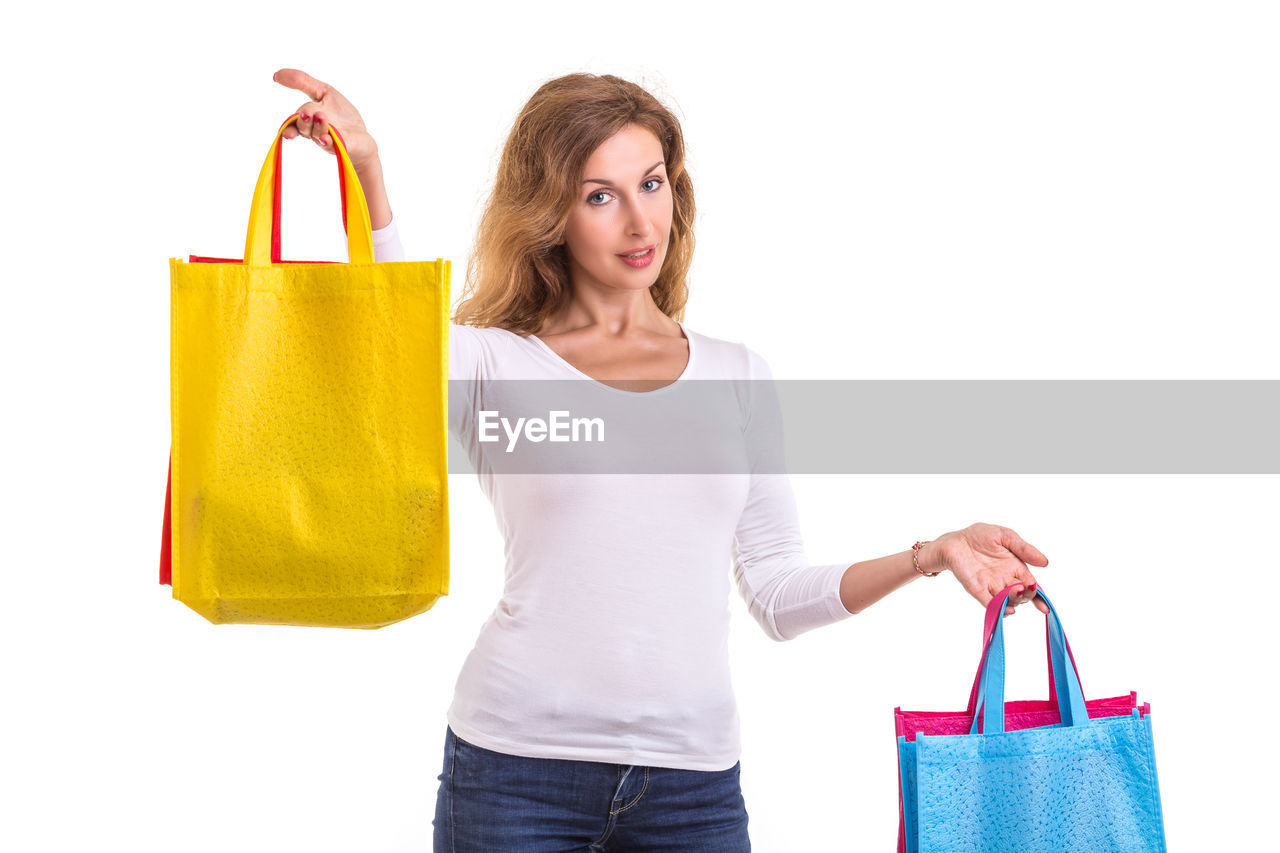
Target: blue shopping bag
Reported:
[(1082, 786)]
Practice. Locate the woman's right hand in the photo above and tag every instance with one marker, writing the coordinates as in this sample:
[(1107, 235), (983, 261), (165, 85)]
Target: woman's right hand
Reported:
[(328, 107)]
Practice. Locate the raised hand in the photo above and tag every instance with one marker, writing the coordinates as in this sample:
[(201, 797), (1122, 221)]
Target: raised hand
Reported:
[(986, 558), (326, 107)]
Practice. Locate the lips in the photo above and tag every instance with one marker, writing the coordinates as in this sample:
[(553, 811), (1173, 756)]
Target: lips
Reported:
[(641, 260), (639, 250)]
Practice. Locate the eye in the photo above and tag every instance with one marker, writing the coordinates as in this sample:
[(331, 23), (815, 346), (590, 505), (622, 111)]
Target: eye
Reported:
[(602, 195), (657, 182)]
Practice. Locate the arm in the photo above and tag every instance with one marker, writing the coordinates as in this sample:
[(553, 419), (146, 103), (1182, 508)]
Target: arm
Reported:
[(386, 244), (386, 241), (787, 596), (375, 193), (328, 107), (865, 583), (466, 362), (984, 558)]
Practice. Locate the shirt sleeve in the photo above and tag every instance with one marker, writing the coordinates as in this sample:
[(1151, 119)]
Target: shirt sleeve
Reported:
[(386, 243), (784, 592)]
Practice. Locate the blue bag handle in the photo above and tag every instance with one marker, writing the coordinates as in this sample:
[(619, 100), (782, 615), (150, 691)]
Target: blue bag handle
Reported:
[(1071, 705)]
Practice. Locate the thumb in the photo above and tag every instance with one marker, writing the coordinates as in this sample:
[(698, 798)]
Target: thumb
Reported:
[(302, 81), (1022, 549)]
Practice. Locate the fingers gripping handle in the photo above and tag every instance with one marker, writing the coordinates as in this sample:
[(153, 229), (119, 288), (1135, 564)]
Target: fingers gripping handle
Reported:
[(262, 244)]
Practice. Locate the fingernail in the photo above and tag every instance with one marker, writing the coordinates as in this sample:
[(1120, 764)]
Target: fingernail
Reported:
[(305, 117)]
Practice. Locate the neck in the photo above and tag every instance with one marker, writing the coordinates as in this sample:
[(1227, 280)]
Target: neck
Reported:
[(612, 314)]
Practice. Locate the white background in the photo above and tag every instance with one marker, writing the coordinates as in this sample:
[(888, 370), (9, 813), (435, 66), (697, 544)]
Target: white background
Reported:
[(906, 190)]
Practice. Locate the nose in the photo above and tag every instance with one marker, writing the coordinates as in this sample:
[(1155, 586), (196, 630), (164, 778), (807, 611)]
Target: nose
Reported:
[(638, 221)]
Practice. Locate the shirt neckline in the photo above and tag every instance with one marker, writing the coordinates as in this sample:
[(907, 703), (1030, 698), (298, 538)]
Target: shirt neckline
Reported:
[(688, 367)]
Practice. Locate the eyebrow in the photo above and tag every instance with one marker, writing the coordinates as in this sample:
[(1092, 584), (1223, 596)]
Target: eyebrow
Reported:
[(609, 184)]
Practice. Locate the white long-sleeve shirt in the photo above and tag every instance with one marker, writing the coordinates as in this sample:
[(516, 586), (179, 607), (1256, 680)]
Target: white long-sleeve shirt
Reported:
[(610, 641)]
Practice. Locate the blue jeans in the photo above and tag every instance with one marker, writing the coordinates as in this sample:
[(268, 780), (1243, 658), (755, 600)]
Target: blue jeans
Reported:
[(492, 802)]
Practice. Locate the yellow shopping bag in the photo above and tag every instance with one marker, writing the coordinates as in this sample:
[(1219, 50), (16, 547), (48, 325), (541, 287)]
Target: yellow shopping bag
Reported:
[(307, 478)]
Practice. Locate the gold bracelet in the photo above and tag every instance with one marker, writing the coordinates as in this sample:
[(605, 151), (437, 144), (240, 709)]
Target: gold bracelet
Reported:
[(915, 558)]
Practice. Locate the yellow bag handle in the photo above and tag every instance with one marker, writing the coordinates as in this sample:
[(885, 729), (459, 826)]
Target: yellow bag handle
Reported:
[(262, 241)]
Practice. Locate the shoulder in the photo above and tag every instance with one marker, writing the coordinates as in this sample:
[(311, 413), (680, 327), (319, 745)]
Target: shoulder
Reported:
[(727, 359), (476, 352), (489, 338)]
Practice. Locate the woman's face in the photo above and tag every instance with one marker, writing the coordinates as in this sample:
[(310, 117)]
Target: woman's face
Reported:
[(623, 207)]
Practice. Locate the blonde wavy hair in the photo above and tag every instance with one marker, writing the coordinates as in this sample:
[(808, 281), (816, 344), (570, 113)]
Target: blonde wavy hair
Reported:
[(518, 275)]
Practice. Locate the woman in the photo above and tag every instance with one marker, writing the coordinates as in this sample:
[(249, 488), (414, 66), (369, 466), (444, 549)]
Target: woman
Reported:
[(595, 711)]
